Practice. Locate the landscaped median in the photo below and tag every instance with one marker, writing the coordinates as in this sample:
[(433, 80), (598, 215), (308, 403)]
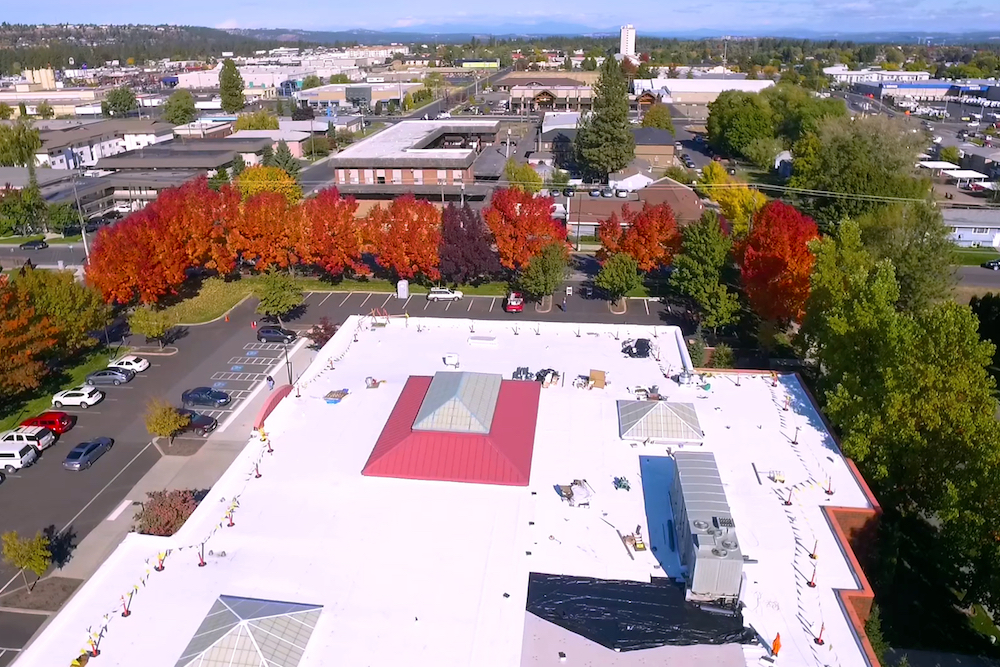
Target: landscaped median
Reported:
[(216, 297)]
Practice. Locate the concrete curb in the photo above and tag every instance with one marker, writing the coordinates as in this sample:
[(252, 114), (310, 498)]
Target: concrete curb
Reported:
[(540, 306), (168, 351), (623, 304), (220, 317)]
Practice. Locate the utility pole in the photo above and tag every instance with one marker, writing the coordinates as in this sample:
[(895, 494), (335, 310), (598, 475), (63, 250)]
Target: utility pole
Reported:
[(507, 146), (79, 211)]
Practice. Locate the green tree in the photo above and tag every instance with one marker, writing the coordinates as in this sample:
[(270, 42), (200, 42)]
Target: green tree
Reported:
[(267, 156), (279, 295), (559, 178), (179, 109), (284, 160), (6, 111), (76, 309), (589, 64), (568, 63), (434, 81), (658, 116), (18, 144), (868, 158), (723, 356), (163, 420), (407, 102), (219, 178), (698, 274), (60, 217), (316, 147), (618, 276), (950, 154), (546, 271), (311, 81), (22, 109), (231, 87), (914, 238), (987, 309), (120, 102), (340, 78), (45, 110), (604, 142), (238, 167), (149, 322), (257, 120), (522, 176), (735, 119), (762, 151), (27, 554)]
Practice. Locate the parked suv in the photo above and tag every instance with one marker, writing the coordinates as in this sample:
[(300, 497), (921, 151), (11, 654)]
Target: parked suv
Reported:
[(444, 294), (38, 437), (14, 457), (57, 422), (82, 397), (271, 334)]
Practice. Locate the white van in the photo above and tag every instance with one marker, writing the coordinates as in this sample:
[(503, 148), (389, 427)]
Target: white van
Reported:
[(15, 457), (37, 436)]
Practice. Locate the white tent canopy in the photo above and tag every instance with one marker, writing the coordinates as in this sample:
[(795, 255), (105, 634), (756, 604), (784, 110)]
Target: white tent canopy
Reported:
[(938, 164), (965, 175)]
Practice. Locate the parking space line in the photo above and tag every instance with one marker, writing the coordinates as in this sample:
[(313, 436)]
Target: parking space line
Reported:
[(118, 510), (96, 495), (366, 300), (407, 301), (470, 306), (427, 303), (346, 298), (324, 299), (448, 306), (492, 303), (387, 300), (646, 303)]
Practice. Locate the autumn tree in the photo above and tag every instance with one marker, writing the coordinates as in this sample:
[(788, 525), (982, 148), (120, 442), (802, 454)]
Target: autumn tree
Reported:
[(255, 180), (466, 248), (522, 176), (278, 295), (25, 337), (163, 420), (658, 116), (521, 225), (164, 512), (27, 554), (406, 236), (649, 236), (737, 202), (265, 234), (775, 262), (332, 237)]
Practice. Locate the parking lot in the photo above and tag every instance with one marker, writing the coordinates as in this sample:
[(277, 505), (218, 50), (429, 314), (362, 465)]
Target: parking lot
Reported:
[(579, 308)]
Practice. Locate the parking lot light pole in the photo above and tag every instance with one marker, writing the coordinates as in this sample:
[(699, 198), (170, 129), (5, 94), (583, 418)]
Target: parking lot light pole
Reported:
[(288, 364)]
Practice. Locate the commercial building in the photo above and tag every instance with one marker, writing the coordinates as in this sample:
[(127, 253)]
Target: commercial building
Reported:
[(292, 138), (322, 124), (918, 91), (699, 91), (479, 64), (653, 145), (364, 95), (202, 155), (82, 146), (260, 80), (574, 78), (204, 128), (845, 75), (626, 43), (454, 516), (64, 101), (583, 213), (551, 98), (426, 157)]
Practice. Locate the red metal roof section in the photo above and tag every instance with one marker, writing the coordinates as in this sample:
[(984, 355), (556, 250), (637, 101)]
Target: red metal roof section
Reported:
[(503, 456)]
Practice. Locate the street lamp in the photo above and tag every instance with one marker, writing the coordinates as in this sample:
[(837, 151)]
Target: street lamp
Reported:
[(288, 364)]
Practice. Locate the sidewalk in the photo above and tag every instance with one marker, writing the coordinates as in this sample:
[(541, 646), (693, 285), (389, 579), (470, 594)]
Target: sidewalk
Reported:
[(199, 471)]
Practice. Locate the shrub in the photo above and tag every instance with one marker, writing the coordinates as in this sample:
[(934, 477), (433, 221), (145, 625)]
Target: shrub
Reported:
[(164, 512), (723, 356), (322, 332), (696, 349)]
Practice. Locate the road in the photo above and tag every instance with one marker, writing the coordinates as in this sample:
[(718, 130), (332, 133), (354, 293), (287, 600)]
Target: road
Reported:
[(977, 276)]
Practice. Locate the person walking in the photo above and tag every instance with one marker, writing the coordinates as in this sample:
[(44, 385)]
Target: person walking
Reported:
[(564, 304), (270, 383)]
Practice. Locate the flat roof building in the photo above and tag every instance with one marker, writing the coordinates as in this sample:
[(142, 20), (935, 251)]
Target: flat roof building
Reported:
[(74, 147), (328, 561), (702, 90), (356, 94)]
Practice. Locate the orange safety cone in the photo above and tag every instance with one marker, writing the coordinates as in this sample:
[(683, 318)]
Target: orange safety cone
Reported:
[(227, 317), (776, 645), (253, 325)]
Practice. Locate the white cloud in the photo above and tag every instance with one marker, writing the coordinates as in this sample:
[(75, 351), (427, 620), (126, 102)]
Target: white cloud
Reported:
[(406, 23), (228, 24)]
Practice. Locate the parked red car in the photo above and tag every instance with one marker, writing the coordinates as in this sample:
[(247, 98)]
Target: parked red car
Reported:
[(514, 303), (57, 422)]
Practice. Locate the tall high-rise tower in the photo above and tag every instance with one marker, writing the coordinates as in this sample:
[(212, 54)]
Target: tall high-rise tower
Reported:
[(627, 47)]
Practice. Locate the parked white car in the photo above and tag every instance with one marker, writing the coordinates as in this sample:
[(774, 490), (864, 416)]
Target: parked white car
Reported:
[(444, 294), (131, 362), (82, 397)]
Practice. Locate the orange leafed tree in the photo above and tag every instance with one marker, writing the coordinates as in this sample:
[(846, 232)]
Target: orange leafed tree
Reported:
[(331, 235), (649, 236), (405, 237), (194, 214), (24, 338), (266, 234), (775, 262), (521, 225)]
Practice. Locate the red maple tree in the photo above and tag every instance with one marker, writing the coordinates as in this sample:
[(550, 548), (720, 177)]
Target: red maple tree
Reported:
[(649, 236), (522, 225), (265, 234), (405, 237), (775, 262), (331, 234), (193, 212), (25, 336)]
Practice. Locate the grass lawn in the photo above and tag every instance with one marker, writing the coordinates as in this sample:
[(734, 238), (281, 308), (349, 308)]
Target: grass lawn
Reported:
[(649, 290), (982, 623), (66, 239), (17, 240), (41, 400), (974, 256)]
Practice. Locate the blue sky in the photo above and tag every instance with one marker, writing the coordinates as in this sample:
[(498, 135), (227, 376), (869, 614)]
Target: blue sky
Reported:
[(742, 16)]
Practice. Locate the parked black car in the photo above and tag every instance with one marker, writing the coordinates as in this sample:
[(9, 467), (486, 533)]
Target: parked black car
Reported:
[(271, 334), (36, 244), (83, 455), (199, 424), (205, 396), (569, 192), (992, 264), (115, 376), (638, 349)]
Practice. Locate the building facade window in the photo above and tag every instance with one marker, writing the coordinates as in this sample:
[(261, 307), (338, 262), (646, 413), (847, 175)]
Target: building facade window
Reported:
[(442, 176), (418, 176), (354, 176), (369, 177), (397, 176), (456, 176)]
